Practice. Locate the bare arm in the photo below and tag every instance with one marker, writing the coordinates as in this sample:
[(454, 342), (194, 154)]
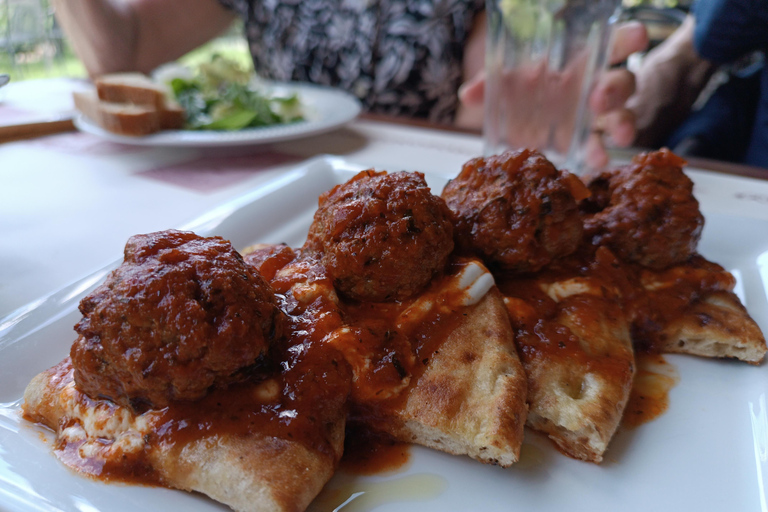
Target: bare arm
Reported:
[(668, 82), (138, 35), (470, 113)]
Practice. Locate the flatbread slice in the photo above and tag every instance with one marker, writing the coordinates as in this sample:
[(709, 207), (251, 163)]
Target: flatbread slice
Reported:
[(470, 400), (267, 444), (697, 313), (439, 370), (575, 344), (462, 388), (717, 325), (272, 470)]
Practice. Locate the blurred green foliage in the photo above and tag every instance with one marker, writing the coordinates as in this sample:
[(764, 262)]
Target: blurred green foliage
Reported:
[(659, 4), (232, 45), (527, 18), (33, 46)]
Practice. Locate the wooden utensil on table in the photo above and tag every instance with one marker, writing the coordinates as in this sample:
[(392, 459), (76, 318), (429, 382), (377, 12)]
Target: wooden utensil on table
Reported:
[(16, 132)]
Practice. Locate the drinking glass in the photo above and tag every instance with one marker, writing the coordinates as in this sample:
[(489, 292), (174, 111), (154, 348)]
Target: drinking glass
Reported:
[(543, 58)]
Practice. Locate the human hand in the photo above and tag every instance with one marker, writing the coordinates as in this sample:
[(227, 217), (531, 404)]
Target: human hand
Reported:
[(613, 123), (668, 82)]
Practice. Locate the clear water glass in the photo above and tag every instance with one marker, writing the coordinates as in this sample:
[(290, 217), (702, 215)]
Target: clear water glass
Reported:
[(543, 59)]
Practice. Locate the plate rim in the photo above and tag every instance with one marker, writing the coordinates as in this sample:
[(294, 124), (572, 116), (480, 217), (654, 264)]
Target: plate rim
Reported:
[(350, 109)]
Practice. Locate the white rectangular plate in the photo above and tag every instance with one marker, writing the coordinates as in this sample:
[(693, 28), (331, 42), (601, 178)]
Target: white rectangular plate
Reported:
[(706, 453)]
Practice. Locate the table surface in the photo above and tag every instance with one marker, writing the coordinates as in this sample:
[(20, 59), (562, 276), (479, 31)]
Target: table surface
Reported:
[(69, 202)]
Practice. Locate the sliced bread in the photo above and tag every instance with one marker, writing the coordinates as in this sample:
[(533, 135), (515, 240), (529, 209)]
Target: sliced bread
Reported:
[(120, 118)]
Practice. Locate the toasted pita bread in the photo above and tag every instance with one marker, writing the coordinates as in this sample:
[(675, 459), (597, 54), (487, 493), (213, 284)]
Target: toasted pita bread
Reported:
[(462, 392), (262, 445), (470, 400), (256, 472), (574, 340), (717, 325), (710, 321)]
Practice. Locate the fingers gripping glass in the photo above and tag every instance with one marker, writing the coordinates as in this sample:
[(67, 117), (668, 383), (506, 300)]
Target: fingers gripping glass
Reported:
[(543, 59)]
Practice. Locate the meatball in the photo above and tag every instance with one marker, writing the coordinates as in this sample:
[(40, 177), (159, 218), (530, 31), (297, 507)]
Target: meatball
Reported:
[(382, 237), (181, 315), (645, 212), (515, 210)]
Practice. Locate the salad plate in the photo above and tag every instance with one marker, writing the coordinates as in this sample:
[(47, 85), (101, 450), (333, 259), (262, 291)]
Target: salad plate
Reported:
[(708, 452), (325, 109)]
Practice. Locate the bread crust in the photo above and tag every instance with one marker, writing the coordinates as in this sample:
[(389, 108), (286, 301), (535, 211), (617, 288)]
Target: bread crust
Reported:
[(123, 119), (693, 310), (134, 88), (717, 325), (580, 366), (130, 104), (471, 398), (247, 473)]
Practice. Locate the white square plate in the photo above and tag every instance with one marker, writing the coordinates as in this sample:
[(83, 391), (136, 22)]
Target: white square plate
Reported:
[(708, 452)]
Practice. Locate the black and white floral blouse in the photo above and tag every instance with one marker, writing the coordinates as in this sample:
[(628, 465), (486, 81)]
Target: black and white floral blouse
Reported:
[(400, 57)]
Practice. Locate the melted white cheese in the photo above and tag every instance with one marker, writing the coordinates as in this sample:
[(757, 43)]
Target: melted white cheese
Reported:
[(106, 430), (560, 290)]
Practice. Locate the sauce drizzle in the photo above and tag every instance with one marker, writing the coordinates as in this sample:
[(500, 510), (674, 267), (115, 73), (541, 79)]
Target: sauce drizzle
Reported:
[(649, 398)]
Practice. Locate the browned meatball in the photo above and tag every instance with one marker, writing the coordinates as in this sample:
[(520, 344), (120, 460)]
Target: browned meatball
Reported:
[(382, 236), (645, 212), (516, 210), (181, 314)]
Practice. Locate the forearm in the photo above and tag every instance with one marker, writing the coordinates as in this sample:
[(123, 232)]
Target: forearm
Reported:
[(102, 32), (138, 35), (668, 83), (470, 110), (167, 29)]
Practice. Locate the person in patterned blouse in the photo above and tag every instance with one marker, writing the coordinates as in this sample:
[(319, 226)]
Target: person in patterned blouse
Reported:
[(399, 57), (415, 58)]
